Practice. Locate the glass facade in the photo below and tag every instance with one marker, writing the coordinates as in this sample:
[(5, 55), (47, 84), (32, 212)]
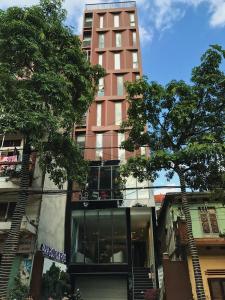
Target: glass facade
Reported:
[(99, 236), (104, 183)]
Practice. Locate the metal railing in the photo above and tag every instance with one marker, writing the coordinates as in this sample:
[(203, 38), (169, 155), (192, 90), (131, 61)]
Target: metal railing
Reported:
[(110, 5)]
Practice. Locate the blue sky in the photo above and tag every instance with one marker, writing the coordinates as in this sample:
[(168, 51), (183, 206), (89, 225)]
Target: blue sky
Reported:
[(174, 35)]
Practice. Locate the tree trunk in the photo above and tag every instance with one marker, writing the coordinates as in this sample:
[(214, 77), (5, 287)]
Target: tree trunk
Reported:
[(191, 241), (12, 240)]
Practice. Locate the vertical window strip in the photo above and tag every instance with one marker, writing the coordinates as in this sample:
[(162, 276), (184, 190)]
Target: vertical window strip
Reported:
[(116, 20), (121, 152), (100, 59), (101, 91), (99, 114), (119, 85), (118, 113), (118, 39), (101, 21), (117, 61), (132, 19), (134, 38), (135, 60), (99, 143), (101, 41)]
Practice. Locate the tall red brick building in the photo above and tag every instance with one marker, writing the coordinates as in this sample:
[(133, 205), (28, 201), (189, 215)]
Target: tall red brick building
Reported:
[(110, 244)]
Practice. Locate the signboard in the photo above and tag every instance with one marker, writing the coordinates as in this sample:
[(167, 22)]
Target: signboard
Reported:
[(53, 254)]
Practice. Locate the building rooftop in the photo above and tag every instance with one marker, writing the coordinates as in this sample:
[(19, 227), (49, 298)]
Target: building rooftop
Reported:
[(110, 5)]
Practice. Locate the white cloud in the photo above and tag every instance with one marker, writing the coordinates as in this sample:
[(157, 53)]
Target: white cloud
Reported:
[(146, 35)]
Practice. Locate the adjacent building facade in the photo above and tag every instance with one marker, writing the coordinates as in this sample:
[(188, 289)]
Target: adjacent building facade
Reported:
[(109, 227), (208, 224)]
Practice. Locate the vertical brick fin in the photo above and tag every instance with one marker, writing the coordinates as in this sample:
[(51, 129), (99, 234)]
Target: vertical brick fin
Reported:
[(12, 240)]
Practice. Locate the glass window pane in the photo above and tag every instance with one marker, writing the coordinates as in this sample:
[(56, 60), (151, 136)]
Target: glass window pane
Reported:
[(101, 90), (121, 152), (100, 59), (99, 114), (120, 85), (99, 142), (101, 21), (101, 41), (119, 236), (93, 180), (105, 183), (134, 37), (116, 20), (117, 61), (132, 20), (118, 113), (77, 237), (91, 236), (105, 236), (135, 60), (118, 39), (3, 210), (116, 184), (216, 290)]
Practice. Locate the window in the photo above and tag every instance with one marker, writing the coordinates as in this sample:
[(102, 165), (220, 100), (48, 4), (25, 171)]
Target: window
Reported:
[(6, 210), (99, 143), (87, 39), (119, 85), (217, 288), (118, 113), (121, 152), (100, 59), (101, 41), (88, 54), (137, 76), (209, 220), (99, 236), (99, 114), (117, 61), (101, 87), (135, 60), (88, 20), (116, 20), (134, 38), (118, 39), (81, 141), (101, 21), (132, 20)]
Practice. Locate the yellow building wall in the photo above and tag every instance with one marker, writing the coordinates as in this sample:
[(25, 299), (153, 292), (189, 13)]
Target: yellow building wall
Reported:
[(207, 262)]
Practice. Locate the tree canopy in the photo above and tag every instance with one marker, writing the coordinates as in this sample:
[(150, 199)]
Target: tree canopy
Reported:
[(46, 84), (185, 125)]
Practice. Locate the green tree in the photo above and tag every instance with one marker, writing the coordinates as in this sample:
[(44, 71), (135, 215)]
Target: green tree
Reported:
[(185, 134), (20, 291), (46, 85), (55, 283)]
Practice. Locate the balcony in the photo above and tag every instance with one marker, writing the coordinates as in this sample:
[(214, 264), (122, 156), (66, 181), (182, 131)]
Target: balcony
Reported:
[(88, 24), (10, 171), (25, 227), (112, 5), (86, 43)]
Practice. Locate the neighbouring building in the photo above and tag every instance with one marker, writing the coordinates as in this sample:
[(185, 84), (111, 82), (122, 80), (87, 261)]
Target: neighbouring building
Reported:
[(208, 223), (10, 165), (109, 230)]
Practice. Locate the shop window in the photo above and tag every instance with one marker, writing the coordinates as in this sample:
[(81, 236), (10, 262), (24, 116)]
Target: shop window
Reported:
[(99, 236), (208, 220)]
